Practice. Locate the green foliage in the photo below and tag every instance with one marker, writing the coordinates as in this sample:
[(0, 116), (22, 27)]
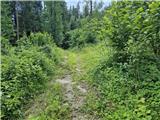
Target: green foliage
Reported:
[(29, 16), (127, 81), (43, 42), (121, 97), (25, 71), (55, 108), (6, 20), (21, 76), (86, 34), (4, 45), (38, 39), (124, 69), (56, 19)]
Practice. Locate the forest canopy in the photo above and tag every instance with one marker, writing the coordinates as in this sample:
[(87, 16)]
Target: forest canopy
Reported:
[(54, 17)]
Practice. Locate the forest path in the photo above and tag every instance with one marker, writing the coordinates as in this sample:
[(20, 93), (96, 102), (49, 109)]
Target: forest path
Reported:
[(74, 92)]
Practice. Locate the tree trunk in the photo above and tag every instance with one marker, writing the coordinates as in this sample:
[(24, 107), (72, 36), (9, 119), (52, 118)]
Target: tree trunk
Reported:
[(90, 7), (17, 21)]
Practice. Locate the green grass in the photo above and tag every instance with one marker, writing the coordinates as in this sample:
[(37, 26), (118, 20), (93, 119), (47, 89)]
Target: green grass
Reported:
[(50, 105), (111, 94), (89, 57), (109, 89), (82, 62)]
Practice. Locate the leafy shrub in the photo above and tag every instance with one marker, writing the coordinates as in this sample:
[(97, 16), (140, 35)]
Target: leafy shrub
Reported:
[(119, 94), (37, 39), (4, 45), (86, 34), (22, 76), (128, 80), (52, 53), (43, 43), (56, 108), (25, 71)]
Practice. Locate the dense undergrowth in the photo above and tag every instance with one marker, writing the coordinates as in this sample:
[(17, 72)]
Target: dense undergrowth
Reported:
[(85, 34), (127, 78), (50, 105), (118, 56), (113, 94), (25, 70)]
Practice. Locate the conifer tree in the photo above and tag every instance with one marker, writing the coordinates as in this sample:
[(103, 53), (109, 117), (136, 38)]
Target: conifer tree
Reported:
[(86, 9), (57, 16), (6, 20)]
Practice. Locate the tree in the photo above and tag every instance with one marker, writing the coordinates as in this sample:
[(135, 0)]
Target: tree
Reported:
[(26, 16), (6, 20), (30, 16), (86, 9), (58, 23), (57, 16), (97, 11), (17, 21), (78, 10), (91, 4), (65, 17)]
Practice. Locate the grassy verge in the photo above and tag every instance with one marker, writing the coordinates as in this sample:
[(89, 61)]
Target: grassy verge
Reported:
[(113, 94), (50, 105), (82, 62)]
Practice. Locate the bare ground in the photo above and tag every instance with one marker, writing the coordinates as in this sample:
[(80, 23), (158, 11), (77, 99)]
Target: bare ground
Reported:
[(74, 94), (71, 89)]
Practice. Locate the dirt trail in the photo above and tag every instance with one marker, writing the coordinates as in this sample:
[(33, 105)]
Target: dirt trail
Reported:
[(74, 94), (70, 91), (67, 84)]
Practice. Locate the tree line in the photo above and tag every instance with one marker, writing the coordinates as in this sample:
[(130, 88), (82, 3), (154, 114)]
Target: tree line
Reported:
[(24, 17)]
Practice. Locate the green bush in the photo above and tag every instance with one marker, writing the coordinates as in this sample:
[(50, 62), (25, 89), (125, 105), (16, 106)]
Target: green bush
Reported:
[(86, 34), (37, 39), (4, 45), (56, 107), (128, 81), (22, 76), (119, 94), (25, 70), (52, 52)]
